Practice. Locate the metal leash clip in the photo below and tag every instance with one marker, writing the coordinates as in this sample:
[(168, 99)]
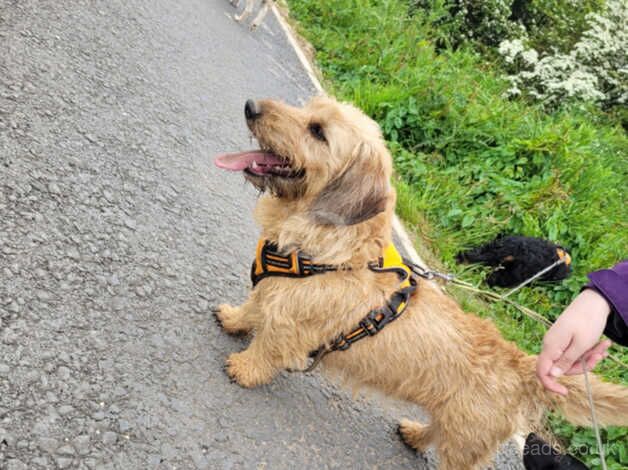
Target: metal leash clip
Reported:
[(316, 358), (427, 274)]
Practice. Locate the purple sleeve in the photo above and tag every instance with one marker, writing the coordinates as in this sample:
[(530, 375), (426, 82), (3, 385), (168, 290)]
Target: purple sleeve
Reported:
[(613, 285)]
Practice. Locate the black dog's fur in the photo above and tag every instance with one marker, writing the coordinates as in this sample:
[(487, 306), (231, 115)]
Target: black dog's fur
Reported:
[(539, 455), (517, 258)]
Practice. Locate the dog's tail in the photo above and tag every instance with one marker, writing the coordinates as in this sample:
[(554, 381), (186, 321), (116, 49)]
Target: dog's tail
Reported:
[(610, 400)]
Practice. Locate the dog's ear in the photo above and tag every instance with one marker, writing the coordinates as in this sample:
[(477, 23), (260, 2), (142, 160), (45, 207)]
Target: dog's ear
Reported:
[(358, 193)]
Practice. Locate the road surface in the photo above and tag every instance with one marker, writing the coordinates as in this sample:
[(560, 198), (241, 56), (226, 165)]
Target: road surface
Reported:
[(117, 236)]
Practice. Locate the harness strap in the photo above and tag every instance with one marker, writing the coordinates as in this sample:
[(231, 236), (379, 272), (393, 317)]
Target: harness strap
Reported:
[(270, 262), (378, 318), (375, 320)]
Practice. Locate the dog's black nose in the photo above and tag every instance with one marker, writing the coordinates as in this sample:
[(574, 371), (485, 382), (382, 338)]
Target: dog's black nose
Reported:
[(251, 110)]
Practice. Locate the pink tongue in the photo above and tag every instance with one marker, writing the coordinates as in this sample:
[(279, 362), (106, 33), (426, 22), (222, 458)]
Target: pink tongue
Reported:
[(241, 161)]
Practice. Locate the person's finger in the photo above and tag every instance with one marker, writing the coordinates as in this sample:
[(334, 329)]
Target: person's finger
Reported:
[(605, 346), (566, 361), (553, 385), (591, 358), (551, 352), (591, 361)]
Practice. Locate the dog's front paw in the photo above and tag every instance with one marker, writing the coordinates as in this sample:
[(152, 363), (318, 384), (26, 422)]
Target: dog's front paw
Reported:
[(415, 435), (246, 371), (230, 319)]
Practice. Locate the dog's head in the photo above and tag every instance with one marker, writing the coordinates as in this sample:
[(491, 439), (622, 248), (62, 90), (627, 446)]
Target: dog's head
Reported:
[(328, 154)]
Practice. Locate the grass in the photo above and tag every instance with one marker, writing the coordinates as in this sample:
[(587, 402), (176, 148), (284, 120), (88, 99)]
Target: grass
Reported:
[(471, 164)]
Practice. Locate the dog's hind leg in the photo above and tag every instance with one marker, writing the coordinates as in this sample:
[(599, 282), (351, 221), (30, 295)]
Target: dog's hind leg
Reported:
[(261, 15), (416, 435), (453, 452), (248, 9), (468, 437)]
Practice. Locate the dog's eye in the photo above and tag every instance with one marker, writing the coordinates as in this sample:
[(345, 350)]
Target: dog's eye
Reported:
[(317, 131)]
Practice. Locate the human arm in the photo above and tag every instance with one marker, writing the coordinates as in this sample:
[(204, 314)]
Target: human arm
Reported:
[(612, 284), (601, 307)]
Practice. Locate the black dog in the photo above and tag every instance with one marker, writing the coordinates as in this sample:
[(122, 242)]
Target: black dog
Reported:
[(519, 258), (539, 455)]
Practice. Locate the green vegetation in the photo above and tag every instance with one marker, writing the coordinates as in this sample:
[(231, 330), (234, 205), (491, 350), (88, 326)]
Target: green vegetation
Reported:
[(472, 164), (547, 25)]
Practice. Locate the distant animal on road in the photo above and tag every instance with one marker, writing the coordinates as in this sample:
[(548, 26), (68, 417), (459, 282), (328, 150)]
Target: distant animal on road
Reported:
[(330, 285), (517, 258), (248, 9)]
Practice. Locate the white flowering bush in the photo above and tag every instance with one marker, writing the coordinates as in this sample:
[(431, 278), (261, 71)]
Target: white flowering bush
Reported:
[(486, 21), (545, 24), (553, 25), (595, 70)]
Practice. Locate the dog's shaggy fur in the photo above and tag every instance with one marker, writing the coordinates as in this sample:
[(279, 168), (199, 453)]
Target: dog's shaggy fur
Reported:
[(248, 9), (336, 205), (517, 259)]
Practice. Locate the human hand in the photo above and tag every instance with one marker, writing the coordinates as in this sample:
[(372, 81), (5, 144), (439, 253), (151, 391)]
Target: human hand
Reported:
[(573, 336)]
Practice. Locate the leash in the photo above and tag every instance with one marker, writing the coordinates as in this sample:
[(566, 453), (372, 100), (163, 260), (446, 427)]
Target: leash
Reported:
[(596, 428), (536, 276), (426, 274), (420, 271), (494, 296), (269, 262)]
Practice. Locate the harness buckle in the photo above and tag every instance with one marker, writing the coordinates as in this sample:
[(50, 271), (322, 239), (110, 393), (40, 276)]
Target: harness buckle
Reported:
[(372, 324), (341, 343), (305, 265)]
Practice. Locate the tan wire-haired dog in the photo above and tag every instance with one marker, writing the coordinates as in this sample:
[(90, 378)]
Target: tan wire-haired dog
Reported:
[(248, 9), (325, 171)]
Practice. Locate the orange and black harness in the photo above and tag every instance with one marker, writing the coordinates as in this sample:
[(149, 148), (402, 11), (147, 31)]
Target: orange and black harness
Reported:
[(270, 262)]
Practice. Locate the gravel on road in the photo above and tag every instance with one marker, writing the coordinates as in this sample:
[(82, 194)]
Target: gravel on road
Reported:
[(117, 236)]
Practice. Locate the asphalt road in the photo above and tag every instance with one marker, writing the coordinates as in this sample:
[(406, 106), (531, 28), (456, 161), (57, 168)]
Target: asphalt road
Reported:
[(117, 235)]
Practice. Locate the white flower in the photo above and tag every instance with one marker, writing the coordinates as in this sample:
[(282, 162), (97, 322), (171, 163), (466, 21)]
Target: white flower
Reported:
[(510, 49), (595, 70), (530, 57)]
